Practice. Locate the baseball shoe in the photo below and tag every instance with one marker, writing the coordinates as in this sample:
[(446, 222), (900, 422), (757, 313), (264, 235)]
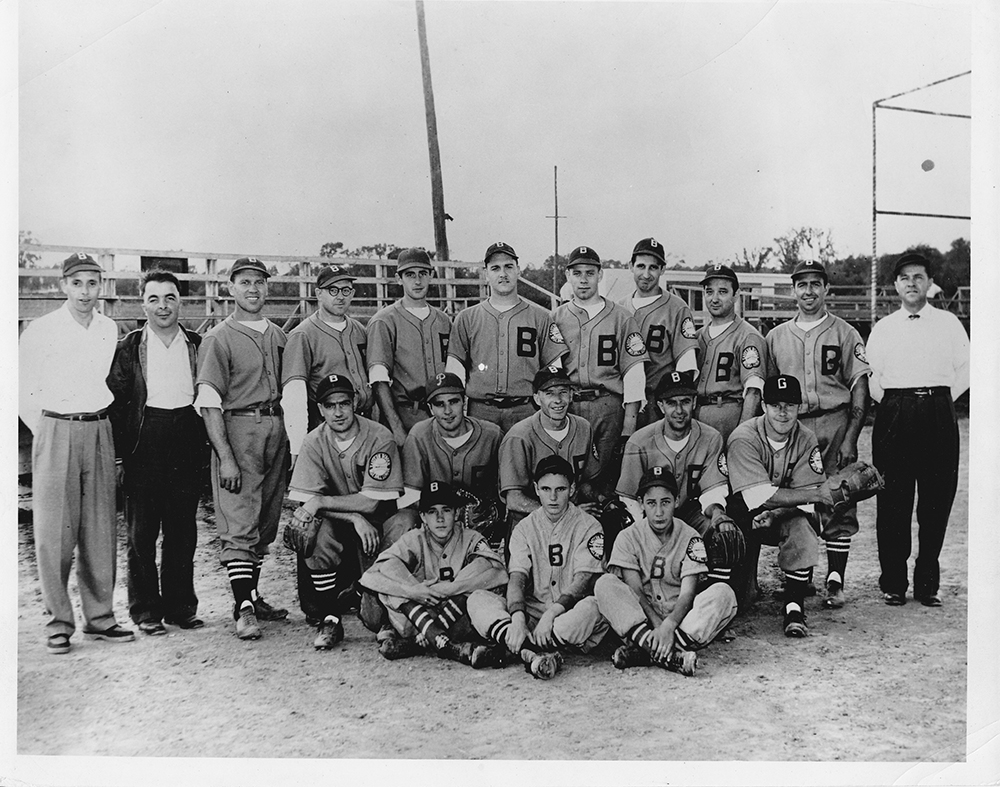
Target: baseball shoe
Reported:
[(630, 655), (331, 631), (488, 656), (683, 661), (265, 611), (894, 599), (349, 600), (153, 628), (114, 634), (929, 600), (543, 666), (396, 647), (246, 623), (57, 644), (795, 624), (185, 623), (384, 633), (834, 595)]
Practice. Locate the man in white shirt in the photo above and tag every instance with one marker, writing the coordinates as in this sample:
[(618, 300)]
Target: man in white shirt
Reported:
[(919, 357), (64, 358), (160, 441)]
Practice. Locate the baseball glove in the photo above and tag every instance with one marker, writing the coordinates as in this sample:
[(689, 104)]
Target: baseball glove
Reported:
[(857, 481), (614, 518), (300, 534), (726, 548), (484, 516)]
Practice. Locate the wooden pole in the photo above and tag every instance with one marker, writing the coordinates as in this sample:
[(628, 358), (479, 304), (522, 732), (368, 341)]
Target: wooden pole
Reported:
[(437, 186)]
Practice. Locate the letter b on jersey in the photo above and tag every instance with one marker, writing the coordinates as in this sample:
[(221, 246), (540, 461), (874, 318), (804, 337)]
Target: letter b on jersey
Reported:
[(658, 568), (654, 338), (527, 342), (607, 350), (446, 574), (831, 359), (724, 368), (555, 554)]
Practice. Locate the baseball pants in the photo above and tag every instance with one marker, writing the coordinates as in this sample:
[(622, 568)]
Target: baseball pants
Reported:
[(724, 416), (713, 608), (73, 502), (606, 416), (581, 627), (504, 417), (829, 430), (795, 537)]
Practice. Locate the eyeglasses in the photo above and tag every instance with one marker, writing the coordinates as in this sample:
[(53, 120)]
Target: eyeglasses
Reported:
[(348, 290)]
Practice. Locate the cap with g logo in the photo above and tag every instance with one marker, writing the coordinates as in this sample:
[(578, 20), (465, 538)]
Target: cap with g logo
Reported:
[(334, 383), (499, 248), (782, 388), (444, 383), (720, 271), (657, 476), (78, 262), (652, 247), (583, 255)]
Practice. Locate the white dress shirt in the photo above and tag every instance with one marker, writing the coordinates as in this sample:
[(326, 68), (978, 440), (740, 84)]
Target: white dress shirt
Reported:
[(168, 372)]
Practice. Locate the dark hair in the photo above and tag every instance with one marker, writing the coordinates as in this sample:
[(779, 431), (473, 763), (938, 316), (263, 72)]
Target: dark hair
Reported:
[(157, 274)]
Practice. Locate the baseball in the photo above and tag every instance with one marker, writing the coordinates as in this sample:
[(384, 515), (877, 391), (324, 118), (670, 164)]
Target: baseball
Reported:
[(927, 166)]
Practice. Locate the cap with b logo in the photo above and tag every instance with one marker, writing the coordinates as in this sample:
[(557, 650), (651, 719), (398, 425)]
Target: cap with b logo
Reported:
[(413, 258), (334, 383), (445, 382), (657, 476), (554, 464), (248, 263), (583, 255), (79, 262), (550, 375), (720, 271), (675, 384), (782, 388), (499, 248), (652, 247), (439, 493), (809, 266), (330, 274)]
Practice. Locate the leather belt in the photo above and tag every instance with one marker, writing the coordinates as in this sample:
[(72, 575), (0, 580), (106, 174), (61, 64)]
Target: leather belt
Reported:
[(818, 413), (940, 390), (720, 399), (100, 415), (406, 403), (167, 412), (504, 402), (588, 394), (257, 410)]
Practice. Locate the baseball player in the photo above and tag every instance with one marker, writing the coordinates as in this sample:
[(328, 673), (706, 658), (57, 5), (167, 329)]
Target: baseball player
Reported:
[(651, 598), (239, 371), (776, 474), (692, 451), (605, 358), (828, 357), (498, 345), (451, 445), (407, 346), (555, 558), (732, 356), (327, 342), (348, 473), (425, 579), (664, 320)]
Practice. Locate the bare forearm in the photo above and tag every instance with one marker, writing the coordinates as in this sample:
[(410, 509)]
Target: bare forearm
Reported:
[(215, 425), (517, 500), (383, 393), (581, 587)]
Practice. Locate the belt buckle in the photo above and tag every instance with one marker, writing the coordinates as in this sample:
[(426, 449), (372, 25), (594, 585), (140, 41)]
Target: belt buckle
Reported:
[(923, 391)]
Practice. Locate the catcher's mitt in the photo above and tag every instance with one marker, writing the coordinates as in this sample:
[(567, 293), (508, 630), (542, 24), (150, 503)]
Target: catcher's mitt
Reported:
[(857, 481), (726, 547), (300, 534), (614, 518), (484, 516)]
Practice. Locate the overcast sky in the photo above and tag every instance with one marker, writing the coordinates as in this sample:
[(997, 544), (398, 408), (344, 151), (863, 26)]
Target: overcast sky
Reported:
[(271, 128)]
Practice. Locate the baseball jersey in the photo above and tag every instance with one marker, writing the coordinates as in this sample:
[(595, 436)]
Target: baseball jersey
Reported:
[(472, 466), (501, 351), (527, 443), (661, 566), (669, 332), (315, 350), (600, 350), (698, 466), (413, 350), (728, 361), (752, 461), (241, 364), (425, 559), (826, 360), (550, 554)]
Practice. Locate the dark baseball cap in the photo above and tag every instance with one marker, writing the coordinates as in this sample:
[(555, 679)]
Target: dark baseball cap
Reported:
[(334, 383), (499, 248), (328, 274), (550, 375), (652, 247), (675, 384), (444, 383), (782, 388), (553, 464), (809, 266), (413, 258), (583, 255), (247, 263), (439, 493), (911, 258), (720, 271), (657, 476), (78, 262)]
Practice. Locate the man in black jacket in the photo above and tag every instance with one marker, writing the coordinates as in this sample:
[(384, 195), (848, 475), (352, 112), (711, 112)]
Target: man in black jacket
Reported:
[(161, 444)]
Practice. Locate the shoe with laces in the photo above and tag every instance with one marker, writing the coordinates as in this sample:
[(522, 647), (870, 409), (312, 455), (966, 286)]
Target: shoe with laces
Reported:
[(331, 632), (246, 623)]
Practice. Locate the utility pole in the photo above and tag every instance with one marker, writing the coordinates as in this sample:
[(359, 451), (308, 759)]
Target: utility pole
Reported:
[(555, 259), (437, 187)]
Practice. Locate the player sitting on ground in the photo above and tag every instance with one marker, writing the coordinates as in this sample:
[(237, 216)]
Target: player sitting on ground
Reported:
[(555, 558), (425, 578), (651, 599)]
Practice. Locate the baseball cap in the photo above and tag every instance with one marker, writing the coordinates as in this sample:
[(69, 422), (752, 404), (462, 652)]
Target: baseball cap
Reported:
[(675, 384), (334, 383), (657, 476), (439, 493), (809, 266), (549, 375), (245, 263), (583, 254), (720, 271), (553, 463), (782, 388), (649, 246), (80, 262), (911, 258), (328, 274), (445, 383), (499, 248), (413, 258)]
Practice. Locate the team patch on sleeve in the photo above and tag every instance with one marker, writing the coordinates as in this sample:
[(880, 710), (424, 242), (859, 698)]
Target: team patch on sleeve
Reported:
[(859, 352), (555, 334), (596, 546), (750, 358), (634, 345), (816, 461), (723, 464), (380, 466), (688, 329), (696, 550)]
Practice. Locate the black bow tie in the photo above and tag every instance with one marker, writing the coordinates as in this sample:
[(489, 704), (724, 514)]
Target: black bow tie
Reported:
[(914, 317)]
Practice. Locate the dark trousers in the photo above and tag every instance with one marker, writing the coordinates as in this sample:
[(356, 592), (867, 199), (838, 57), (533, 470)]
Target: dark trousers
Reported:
[(915, 445), (162, 487)]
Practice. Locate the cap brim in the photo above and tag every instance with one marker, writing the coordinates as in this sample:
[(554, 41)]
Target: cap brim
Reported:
[(445, 390)]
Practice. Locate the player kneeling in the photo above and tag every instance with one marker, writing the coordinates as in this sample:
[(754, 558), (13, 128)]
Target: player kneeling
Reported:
[(424, 580), (652, 599), (555, 557)]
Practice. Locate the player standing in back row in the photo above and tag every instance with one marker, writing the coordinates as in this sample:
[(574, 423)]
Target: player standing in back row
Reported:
[(498, 346), (828, 357)]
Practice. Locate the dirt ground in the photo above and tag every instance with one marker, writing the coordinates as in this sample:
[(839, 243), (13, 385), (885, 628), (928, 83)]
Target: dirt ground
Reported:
[(870, 683)]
